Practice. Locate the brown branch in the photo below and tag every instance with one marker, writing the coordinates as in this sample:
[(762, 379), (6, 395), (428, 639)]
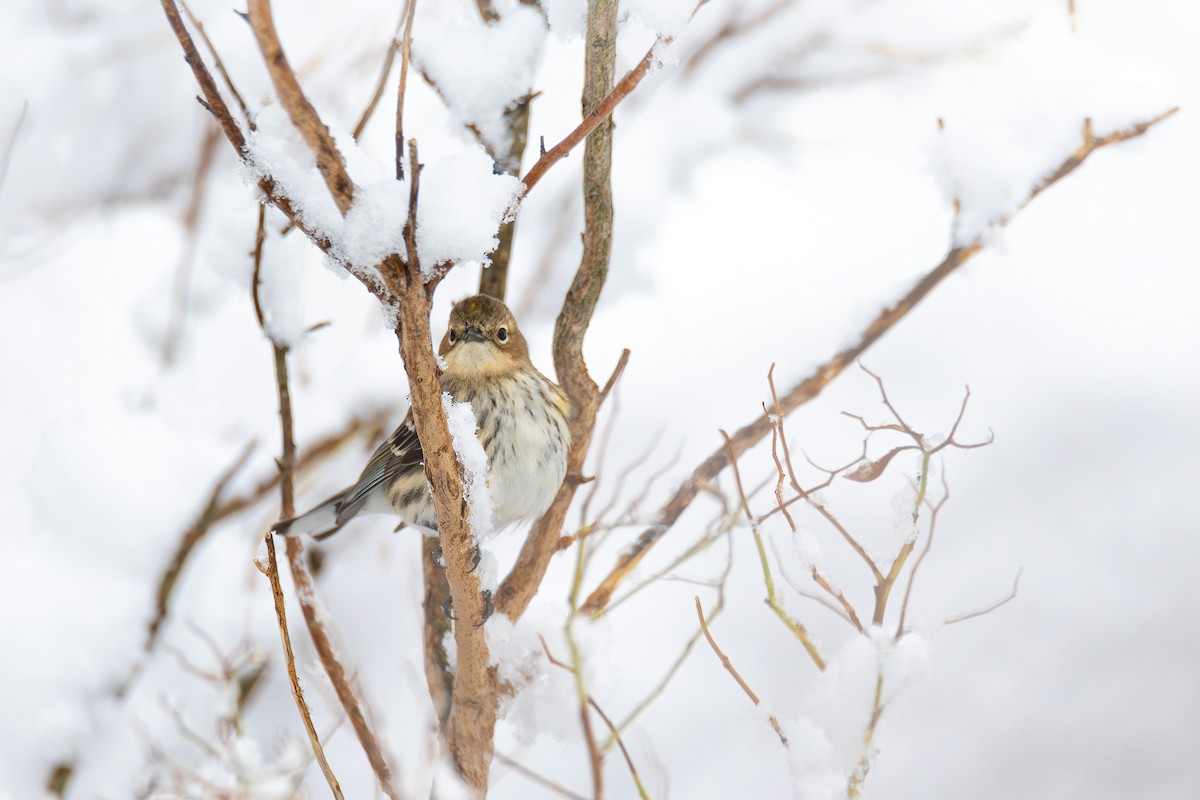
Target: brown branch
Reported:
[(212, 96), (812, 386), (594, 114), (522, 582), (313, 616), (487, 11), (220, 65), (301, 577), (410, 11), (330, 162), (725, 662), (473, 703), (215, 104), (271, 570)]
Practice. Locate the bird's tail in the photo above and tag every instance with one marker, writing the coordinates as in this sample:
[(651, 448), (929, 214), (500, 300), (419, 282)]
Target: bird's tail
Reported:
[(319, 523)]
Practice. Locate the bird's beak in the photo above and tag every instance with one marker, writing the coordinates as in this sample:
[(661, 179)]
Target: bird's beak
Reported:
[(473, 334)]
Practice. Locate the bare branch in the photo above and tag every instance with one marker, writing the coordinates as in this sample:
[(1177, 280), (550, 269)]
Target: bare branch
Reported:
[(316, 135), (272, 572), (725, 662), (812, 386), (212, 96), (594, 117), (220, 65)]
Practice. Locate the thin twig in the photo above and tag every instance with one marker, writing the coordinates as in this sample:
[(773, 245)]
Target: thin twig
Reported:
[(912, 575), (405, 58), (272, 573), (301, 577), (614, 733), (220, 65), (798, 630), (191, 537), (599, 114), (377, 93), (989, 609), (725, 662)]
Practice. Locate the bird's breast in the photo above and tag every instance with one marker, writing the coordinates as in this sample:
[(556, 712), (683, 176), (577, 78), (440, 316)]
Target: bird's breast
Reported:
[(525, 436)]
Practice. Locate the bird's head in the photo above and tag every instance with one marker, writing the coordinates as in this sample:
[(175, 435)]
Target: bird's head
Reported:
[(482, 340)]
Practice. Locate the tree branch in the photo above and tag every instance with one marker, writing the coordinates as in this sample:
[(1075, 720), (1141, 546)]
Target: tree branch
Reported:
[(810, 387), (316, 135), (522, 582), (595, 113)]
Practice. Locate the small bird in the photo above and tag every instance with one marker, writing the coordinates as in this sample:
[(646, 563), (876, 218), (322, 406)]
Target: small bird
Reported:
[(521, 420)]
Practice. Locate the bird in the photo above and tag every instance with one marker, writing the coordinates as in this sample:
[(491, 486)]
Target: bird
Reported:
[(521, 420)]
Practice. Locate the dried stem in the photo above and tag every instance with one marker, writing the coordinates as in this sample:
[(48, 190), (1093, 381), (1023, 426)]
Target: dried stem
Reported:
[(614, 733), (798, 630), (812, 386), (389, 58), (305, 587), (725, 662), (272, 572)]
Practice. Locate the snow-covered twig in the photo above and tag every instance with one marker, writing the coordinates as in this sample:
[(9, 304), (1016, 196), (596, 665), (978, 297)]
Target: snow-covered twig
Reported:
[(330, 162)]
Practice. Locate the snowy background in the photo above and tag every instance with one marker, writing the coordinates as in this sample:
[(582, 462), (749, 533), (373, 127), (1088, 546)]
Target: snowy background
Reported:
[(771, 197)]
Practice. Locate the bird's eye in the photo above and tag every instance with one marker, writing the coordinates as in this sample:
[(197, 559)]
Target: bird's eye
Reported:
[(502, 334), (453, 338)]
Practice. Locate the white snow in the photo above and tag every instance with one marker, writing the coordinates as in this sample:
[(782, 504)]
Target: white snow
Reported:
[(469, 449), (480, 68), (460, 208), (667, 18), (1021, 113), (826, 198)]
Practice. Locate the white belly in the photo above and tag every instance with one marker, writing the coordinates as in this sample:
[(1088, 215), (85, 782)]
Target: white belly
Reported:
[(527, 457)]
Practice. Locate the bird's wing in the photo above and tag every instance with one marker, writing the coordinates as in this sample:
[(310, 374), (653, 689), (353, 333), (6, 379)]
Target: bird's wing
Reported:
[(399, 454)]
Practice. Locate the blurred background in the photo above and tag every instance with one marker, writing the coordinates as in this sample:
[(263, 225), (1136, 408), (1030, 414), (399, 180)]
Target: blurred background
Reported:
[(786, 171)]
